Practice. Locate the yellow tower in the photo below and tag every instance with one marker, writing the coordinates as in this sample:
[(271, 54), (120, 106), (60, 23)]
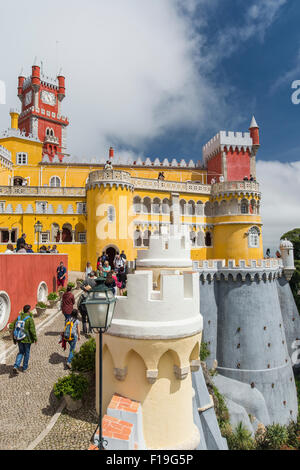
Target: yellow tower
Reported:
[(109, 214)]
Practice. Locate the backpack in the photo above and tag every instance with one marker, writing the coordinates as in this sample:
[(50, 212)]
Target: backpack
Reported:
[(69, 331), (19, 331)]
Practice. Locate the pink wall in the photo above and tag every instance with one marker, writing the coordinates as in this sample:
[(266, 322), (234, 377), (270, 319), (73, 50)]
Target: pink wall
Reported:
[(214, 168), (21, 275)]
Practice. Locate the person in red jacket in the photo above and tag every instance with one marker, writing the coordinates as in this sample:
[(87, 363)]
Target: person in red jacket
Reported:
[(67, 303)]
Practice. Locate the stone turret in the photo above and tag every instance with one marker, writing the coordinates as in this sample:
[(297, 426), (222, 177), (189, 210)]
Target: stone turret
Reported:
[(287, 254)]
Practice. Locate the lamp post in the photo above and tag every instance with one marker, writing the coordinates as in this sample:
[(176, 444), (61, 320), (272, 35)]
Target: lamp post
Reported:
[(38, 227), (100, 304)]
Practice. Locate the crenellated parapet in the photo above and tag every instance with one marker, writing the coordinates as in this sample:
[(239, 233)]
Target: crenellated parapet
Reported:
[(223, 141), (172, 312), (109, 178), (253, 270), (236, 188)]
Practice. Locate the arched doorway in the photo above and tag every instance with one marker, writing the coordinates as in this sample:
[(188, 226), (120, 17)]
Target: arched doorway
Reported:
[(111, 253)]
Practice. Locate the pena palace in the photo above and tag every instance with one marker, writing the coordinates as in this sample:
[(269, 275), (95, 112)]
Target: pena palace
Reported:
[(88, 208)]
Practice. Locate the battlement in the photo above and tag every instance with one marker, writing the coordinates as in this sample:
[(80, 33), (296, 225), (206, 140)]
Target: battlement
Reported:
[(172, 312), (264, 269), (165, 163), (224, 139), (17, 133), (167, 251)]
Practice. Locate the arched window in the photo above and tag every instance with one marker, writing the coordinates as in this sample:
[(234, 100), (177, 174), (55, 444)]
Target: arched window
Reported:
[(244, 206), (252, 206), (67, 233), (223, 207), (200, 238), (208, 209), (208, 239), (137, 204), (199, 208), (253, 237), (191, 208), (156, 206), (137, 237), (193, 238), (182, 207), (147, 205), (166, 206), (55, 182), (216, 208), (146, 237), (55, 233)]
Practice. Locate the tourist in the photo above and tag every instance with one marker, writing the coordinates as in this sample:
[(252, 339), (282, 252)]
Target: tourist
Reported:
[(213, 181), (123, 255), (103, 258), (106, 268), (22, 249), (21, 241), (221, 179), (246, 178), (29, 249), (122, 280), (9, 249), (110, 282), (54, 249), (88, 269), (118, 262), (43, 249), (61, 274), (99, 272), (24, 327), (268, 253), (48, 249), (67, 302), (72, 334), (278, 254)]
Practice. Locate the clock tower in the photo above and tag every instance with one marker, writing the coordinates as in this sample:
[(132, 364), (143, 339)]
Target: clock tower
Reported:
[(41, 98)]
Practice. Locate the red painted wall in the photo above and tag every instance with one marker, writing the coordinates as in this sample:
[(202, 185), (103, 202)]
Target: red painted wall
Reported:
[(238, 166), (20, 276), (214, 168)]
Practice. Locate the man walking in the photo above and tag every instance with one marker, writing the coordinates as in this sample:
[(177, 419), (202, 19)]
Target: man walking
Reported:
[(24, 336), (61, 274), (21, 241), (67, 303)]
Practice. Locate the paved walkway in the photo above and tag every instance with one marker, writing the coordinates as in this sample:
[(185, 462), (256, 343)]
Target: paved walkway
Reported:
[(27, 400)]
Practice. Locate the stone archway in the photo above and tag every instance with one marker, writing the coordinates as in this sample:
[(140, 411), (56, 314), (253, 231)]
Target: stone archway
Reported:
[(111, 252)]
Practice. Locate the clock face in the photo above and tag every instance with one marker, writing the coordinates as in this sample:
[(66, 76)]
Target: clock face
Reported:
[(28, 98), (48, 98)]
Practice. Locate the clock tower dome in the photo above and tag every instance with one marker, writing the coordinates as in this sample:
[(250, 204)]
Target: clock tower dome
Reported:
[(41, 98)]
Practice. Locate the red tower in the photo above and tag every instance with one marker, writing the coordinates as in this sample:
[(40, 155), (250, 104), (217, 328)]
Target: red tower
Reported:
[(41, 98)]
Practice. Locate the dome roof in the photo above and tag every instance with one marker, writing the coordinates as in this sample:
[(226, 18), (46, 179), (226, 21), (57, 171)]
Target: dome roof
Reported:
[(286, 244)]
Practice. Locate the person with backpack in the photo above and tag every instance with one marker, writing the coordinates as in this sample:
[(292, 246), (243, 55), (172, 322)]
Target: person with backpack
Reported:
[(71, 334), (24, 334)]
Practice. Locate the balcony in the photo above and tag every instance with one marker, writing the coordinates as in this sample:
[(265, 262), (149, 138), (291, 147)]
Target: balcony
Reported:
[(41, 191)]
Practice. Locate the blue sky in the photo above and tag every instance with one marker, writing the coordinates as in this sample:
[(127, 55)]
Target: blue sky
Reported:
[(160, 78)]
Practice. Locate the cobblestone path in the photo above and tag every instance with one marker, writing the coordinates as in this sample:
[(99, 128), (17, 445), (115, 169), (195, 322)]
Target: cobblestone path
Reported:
[(27, 400)]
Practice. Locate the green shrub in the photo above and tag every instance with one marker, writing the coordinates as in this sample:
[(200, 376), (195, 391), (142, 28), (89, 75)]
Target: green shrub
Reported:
[(293, 432), (204, 351), (84, 360), (41, 305), (71, 284), (240, 438), (221, 410), (273, 438), (75, 385), (53, 296), (62, 289)]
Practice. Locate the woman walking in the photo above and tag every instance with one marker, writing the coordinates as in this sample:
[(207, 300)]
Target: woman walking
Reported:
[(72, 334)]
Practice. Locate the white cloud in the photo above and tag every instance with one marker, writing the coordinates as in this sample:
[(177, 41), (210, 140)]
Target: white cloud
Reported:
[(132, 67), (279, 184), (258, 17)]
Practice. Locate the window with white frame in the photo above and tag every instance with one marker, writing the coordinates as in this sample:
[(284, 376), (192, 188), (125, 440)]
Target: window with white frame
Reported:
[(41, 207), (81, 207), (22, 158), (45, 237), (2, 207), (55, 182), (253, 237), (82, 237)]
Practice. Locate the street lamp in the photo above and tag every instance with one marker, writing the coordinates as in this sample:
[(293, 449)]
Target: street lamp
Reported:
[(100, 304), (38, 227)]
